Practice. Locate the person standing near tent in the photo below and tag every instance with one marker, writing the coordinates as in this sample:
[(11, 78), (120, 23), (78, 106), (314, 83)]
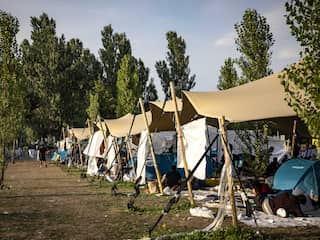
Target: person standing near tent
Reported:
[(42, 155)]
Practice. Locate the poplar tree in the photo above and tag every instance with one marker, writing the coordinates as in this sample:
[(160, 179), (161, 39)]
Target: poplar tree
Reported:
[(11, 94), (176, 66), (41, 69), (129, 86), (302, 80), (254, 41), (228, 75), (115, 47)]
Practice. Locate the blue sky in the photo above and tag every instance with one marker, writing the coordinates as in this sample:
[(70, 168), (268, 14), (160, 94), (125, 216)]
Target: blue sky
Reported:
[(207, 27)]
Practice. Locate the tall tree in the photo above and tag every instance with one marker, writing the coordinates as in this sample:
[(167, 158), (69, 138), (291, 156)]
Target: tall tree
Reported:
[(228, 75), (11, 94), (302, 80), (254, 41), (129, 87), (150, 92), (41, 69), (93, 108), (115, 47), (78, 70), (176, 67)]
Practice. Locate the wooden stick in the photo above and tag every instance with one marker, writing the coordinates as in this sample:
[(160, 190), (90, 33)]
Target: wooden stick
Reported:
[(103, 133), (131, 156), (227, 159), (293, 137), (182, 147), (153, 155)]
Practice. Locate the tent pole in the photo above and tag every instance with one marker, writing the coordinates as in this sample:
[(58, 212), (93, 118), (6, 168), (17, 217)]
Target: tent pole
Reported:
[(180, 136), (103, 133), (131, 156), (227, 160), (80, 153), (293, 137), (153, 155)]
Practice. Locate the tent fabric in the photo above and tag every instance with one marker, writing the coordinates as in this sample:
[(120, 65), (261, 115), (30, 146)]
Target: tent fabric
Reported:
[(141, 156), (257, 100), (92, 166), (120, 127), (195, 141), (95, 145), (80, 133), (299, 174), (163, 120), (111, 151)]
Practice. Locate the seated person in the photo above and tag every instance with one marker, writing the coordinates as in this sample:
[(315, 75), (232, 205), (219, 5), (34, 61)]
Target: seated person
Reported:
[(172, 179), (288, 203)]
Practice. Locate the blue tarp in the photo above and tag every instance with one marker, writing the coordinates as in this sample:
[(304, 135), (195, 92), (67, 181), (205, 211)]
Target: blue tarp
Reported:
[(166, 160), (301, 174), (63, 155)]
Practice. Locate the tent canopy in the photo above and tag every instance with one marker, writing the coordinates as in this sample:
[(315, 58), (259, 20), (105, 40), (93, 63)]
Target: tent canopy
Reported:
[(120, 127), (163, 120), (257, 100), (299, 174), (79, 133)]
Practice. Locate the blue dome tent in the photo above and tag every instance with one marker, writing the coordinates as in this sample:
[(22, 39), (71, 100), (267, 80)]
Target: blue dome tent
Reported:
[(299, 174)]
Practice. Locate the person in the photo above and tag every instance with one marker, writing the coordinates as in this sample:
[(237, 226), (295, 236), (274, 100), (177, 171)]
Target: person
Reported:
[(283, 204), (42, 155), (272, 168), (172, 179)]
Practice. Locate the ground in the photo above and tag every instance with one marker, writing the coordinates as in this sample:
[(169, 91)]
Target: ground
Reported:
[(55, 203)]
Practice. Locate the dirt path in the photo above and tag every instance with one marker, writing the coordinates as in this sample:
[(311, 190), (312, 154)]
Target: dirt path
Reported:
[(49, 203)]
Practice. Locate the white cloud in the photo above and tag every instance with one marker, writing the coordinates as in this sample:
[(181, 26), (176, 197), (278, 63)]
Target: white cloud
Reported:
[(226, 40)]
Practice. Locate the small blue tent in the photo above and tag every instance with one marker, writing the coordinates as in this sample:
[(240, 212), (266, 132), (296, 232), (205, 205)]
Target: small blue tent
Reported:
[(299, 173)]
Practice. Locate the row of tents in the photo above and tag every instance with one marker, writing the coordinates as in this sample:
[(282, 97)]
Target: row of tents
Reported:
[(199, 112)]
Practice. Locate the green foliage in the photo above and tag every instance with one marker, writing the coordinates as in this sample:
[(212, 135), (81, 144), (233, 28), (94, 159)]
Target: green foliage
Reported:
[(229, 233), (302, 80), (12, 110), (78, 71), (254, 42), (93, 108), (11, 85), (150, 93), (176, 67), (41, 69), (115, 47), (228, 75), (128, 86)]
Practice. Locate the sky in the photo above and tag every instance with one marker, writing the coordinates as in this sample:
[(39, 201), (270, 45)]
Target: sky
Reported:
[(207, 26)]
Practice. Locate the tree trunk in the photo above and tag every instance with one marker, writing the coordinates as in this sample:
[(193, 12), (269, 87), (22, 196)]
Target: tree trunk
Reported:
[(2, 164)]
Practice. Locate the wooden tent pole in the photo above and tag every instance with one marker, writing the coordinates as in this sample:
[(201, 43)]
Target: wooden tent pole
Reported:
[(153, 155), (131, 156), (180, 137), (293, 137), (103, 133), (227, 159)]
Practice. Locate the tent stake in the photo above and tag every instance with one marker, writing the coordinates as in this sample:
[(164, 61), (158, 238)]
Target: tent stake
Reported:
[(151, 146), (227, 160), (293, 137), (183, 151)]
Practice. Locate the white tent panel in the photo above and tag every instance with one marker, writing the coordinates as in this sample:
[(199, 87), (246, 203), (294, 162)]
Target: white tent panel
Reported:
[(141, 157), (94, 145), (195, 142)]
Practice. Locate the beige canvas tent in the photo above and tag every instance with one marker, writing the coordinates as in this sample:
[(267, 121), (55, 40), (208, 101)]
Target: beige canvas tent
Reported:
[(163, 120), (79, 133), (120, 127), (257, 100)]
